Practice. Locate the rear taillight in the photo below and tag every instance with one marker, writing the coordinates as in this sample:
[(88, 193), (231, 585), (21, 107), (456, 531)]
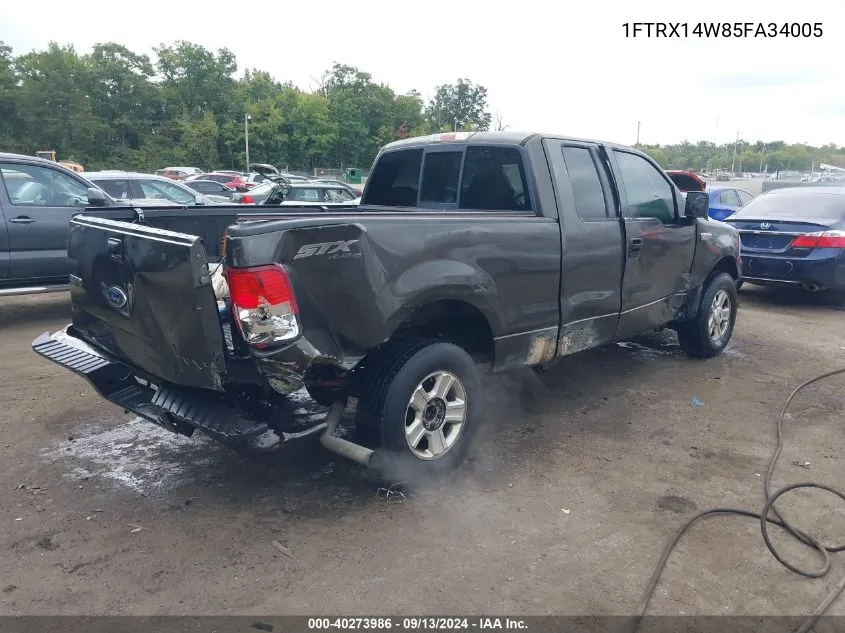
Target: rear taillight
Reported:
[(263, 304), (247, 200), (821, 239)]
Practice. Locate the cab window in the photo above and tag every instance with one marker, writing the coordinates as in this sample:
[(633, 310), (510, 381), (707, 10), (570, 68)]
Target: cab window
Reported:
[(649, 193)]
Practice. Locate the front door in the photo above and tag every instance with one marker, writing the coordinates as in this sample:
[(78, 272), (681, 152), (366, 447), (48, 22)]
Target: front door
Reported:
[(660, 244), (38, 202)]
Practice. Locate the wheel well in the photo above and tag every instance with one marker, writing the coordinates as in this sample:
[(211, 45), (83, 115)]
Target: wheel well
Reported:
[(454, 321), (725, 265)]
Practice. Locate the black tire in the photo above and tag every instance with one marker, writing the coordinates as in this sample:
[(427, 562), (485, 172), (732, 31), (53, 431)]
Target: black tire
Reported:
[(383, 408), (694, 336)]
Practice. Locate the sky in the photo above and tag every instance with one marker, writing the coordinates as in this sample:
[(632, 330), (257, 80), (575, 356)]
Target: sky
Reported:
[(559, 67)]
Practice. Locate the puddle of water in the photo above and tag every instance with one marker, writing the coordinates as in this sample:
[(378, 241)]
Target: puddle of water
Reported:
[(144, 458), (135, 454), (644, 352)]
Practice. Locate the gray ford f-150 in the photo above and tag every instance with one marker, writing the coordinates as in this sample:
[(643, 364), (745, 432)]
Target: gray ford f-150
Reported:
[(469, 252)]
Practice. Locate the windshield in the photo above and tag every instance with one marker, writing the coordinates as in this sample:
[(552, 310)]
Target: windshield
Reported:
[(160, 190), (792, 206)]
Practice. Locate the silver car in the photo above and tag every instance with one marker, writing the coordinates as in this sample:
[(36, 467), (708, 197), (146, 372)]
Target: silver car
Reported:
[(132, 186)]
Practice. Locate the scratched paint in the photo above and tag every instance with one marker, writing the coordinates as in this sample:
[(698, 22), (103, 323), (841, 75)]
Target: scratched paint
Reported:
[(576, 340), (542, 350)]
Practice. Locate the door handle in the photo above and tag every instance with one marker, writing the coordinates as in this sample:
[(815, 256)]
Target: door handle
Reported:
[(22, 219), (635, 245)]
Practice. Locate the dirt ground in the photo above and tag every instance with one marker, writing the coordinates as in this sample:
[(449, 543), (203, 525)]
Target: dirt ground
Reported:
[(575, 484)]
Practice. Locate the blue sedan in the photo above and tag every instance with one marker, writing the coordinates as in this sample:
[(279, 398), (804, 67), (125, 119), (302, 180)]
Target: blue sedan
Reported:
[(794, 237), (725, 201)]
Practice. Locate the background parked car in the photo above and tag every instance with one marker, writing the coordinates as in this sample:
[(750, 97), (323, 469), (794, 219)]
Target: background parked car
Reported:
[(128, 186), (686, 180), (37, 199), (297, 193), (178, 173), (211, 189), (725, 201), (354, 191), (233, 180), (794, 237)]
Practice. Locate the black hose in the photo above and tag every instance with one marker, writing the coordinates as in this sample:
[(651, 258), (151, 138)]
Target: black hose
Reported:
[(765, 518)]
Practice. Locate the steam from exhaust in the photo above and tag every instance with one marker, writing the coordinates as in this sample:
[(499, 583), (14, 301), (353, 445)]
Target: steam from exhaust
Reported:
[(507, 398)]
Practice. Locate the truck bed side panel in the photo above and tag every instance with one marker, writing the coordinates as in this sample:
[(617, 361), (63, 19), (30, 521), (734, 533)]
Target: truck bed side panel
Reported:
[(359, 277)]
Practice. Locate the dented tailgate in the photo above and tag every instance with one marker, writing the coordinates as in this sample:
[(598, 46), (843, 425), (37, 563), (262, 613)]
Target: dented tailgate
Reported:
[(145, 295)]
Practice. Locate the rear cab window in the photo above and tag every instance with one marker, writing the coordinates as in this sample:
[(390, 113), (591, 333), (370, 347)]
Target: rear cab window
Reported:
[(453, 176)]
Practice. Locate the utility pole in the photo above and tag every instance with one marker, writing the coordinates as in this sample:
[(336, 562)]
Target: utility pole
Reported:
[(637, 144), (246, 139), (733, 161), (715, 150), (762, 153)]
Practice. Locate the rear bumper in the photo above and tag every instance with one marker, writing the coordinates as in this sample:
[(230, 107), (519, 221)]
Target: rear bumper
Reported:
[(824, 273), (177, 409)]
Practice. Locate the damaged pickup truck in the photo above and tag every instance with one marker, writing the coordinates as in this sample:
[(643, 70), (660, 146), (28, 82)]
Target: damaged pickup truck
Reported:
[(469, 252)]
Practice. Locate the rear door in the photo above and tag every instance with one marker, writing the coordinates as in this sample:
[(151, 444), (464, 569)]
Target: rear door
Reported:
[(660, 244), (39, 202), (592, 245)]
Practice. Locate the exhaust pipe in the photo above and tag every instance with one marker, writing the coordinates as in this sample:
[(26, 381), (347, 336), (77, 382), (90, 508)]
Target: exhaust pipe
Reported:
[(344, 448)]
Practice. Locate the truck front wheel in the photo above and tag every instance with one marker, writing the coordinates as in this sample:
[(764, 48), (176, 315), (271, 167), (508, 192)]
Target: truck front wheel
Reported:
[(422, 405), (710, 331)]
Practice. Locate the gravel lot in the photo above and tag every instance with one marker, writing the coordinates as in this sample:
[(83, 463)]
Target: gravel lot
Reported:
[(579, 479)]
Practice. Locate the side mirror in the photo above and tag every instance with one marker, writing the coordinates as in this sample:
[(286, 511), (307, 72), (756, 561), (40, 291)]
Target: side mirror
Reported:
[(697, 204), (96, 198), (199, 199)]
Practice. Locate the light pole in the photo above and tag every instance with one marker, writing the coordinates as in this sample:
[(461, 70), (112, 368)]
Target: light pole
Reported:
[(246, 139), (733, 161)]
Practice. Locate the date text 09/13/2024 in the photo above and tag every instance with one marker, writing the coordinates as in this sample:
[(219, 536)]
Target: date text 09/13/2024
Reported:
[(417, 623), (722, 29)]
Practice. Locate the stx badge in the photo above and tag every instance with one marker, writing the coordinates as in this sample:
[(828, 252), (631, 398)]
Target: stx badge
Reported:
[(334, 250)]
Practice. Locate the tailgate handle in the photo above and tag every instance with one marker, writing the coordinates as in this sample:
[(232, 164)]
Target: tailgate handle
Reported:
[(115, 248)]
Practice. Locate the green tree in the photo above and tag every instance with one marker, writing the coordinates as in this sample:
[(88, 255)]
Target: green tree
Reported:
[(198, 140), (9, 136), (461, 106), (196, 81)]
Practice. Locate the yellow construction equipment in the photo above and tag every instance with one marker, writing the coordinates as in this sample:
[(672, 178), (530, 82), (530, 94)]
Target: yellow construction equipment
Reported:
[(50, 154)]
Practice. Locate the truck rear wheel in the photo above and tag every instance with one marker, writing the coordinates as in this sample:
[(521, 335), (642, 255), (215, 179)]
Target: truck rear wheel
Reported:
[(422, 405), (710, 331)]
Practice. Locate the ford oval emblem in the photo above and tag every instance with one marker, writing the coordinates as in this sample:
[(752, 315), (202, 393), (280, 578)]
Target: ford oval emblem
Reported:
[(116, 297)]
